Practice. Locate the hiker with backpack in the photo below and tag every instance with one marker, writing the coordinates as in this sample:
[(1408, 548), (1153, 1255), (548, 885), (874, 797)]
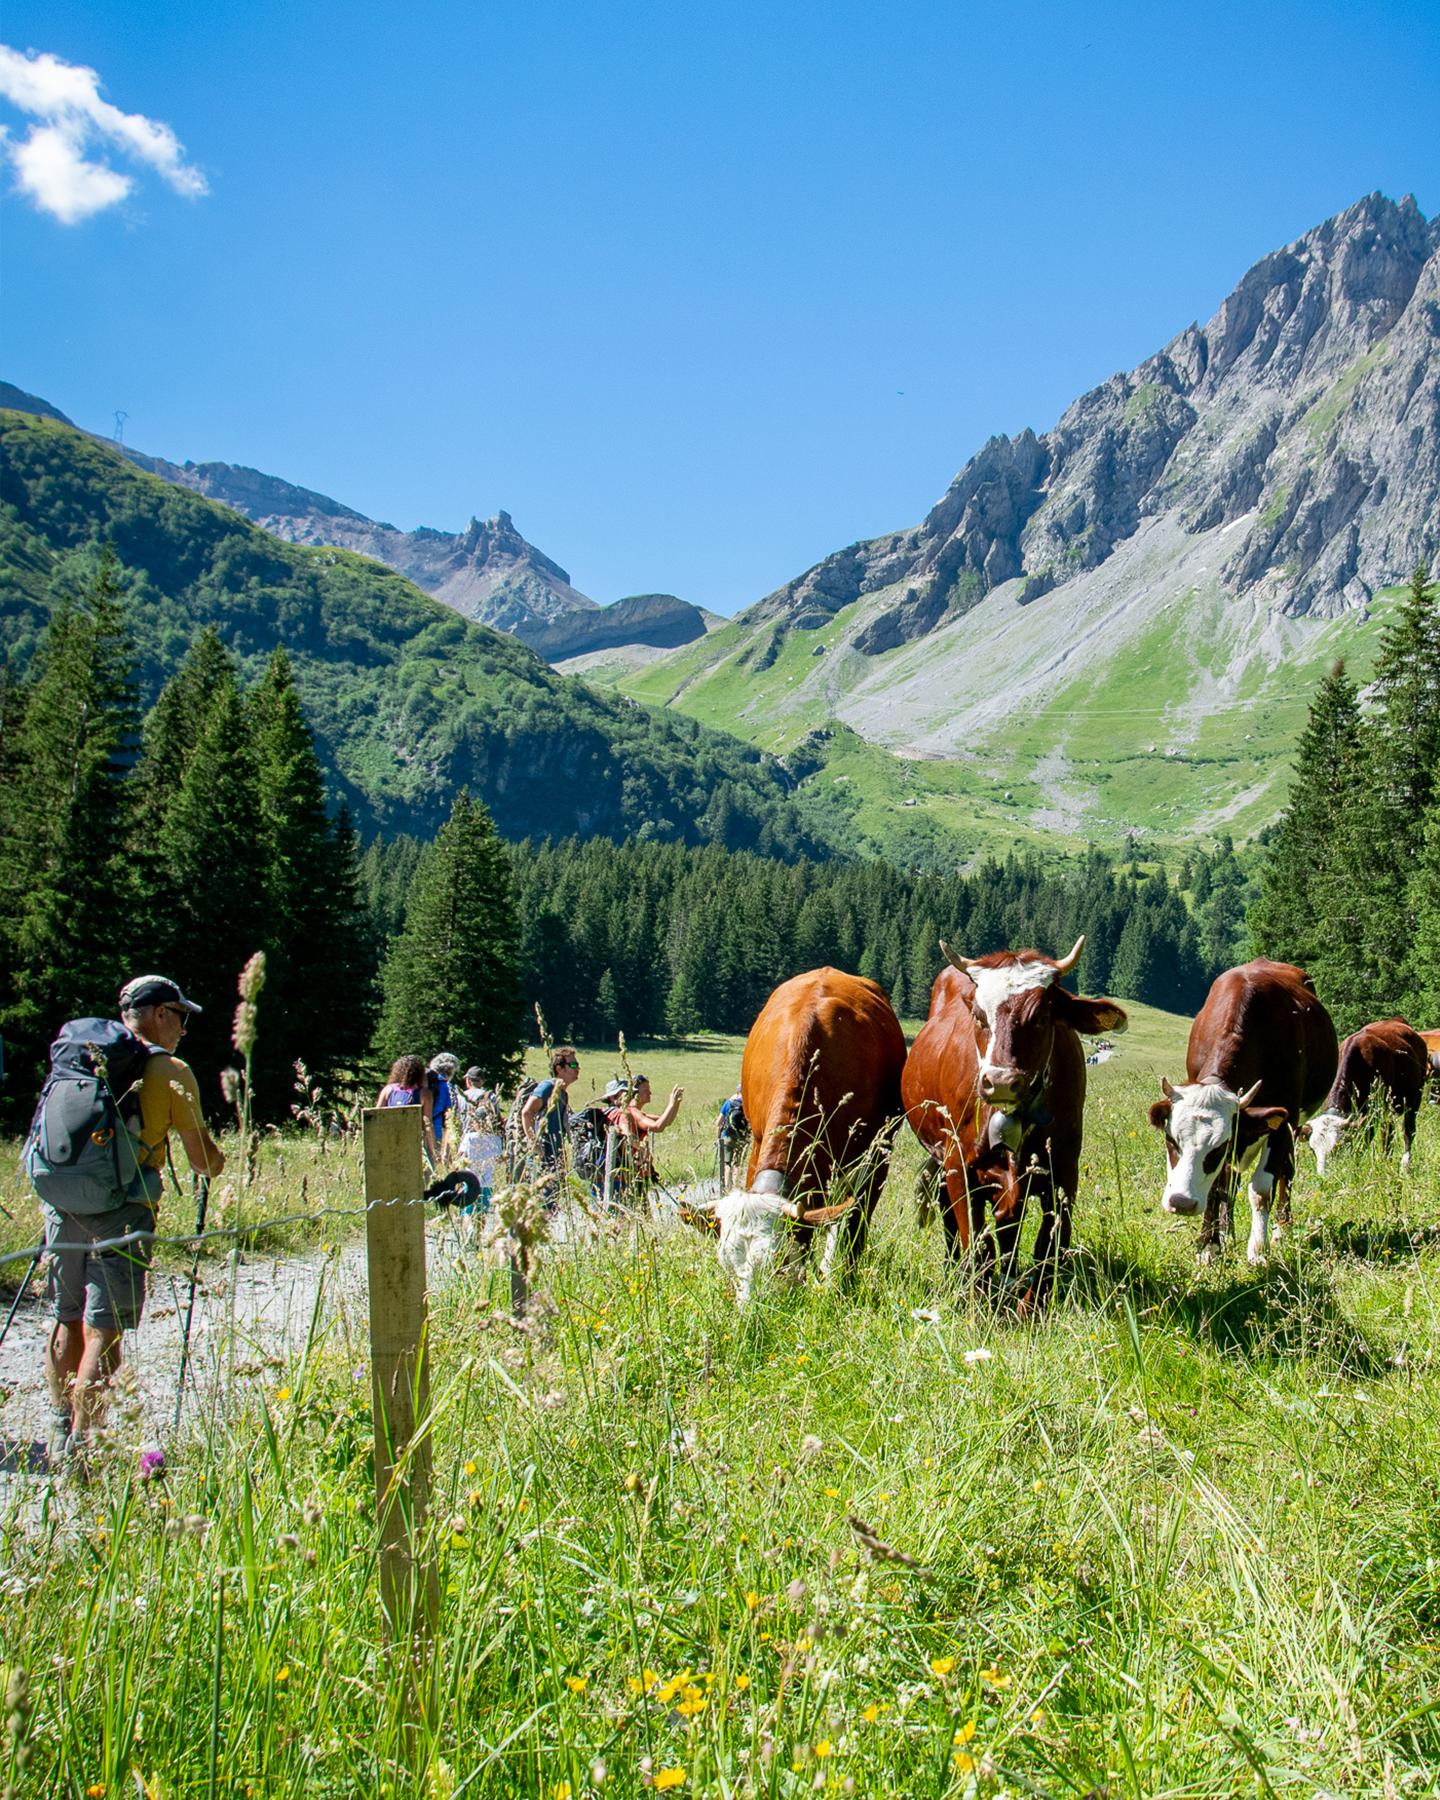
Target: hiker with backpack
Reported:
[(545, 1117), (96, 1153), (482, 1127), (407, 1086), (732, 1134)]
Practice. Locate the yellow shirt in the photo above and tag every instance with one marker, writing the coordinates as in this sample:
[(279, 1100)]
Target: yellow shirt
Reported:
[(169, 1101)]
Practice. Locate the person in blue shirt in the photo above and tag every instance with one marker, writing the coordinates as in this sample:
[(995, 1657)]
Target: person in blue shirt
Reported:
[(445, 1068)]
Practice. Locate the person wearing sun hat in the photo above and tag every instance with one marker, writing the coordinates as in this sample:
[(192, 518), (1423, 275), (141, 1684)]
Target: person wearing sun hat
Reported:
[(99, 1294)]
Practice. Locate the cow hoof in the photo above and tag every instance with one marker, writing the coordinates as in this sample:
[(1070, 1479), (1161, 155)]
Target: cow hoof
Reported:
[(1257, 1259)]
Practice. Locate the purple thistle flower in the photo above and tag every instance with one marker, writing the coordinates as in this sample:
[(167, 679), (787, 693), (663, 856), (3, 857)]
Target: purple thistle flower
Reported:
[(152, 1465)]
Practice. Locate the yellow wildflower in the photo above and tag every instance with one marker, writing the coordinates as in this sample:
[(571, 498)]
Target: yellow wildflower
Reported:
[(752, 1599), (643, 1682), (561, 1791), (993, 1678), (823, 1749), (668, 1778), (832, 1493), (964, 1734), (692, 1701), (283, 1394), (470, 1468), (963, 1761), (284, 1674), (577, 1684), (871, 1713), (941, 1665), (742, 1682)]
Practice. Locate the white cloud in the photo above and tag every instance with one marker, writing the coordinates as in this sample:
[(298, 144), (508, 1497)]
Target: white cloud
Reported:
[(61, 163)]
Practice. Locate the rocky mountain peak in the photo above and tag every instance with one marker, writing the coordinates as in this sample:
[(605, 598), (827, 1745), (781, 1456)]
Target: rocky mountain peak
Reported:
[(1308, 406)]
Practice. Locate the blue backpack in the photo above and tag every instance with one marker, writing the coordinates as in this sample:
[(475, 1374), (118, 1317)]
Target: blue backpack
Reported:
[(82, 1152)]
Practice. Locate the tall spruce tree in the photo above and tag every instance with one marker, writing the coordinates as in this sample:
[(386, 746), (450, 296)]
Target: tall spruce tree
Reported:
[(1423, 998), (67, 892), (452, 978), (211, 915), (316, 999), (1404, 745), (1287, 921)]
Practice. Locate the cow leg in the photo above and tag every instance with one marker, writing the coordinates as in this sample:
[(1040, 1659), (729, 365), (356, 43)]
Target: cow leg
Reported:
[(1214, 1226), (1262, 1185), (958, 1224), (1407, 1133)]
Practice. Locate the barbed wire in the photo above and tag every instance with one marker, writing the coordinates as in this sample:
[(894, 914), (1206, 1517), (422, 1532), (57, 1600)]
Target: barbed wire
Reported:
[(192, 1238)]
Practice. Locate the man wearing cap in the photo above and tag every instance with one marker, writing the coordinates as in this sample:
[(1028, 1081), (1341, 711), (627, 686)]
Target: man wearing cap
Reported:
[(98, 1294)]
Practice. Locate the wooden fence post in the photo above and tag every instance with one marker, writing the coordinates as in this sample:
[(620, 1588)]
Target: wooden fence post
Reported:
[(399, 1376)]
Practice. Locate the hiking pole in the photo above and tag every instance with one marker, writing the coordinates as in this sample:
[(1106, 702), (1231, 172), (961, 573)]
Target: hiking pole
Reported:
[(202, 1200), (20, 1293)]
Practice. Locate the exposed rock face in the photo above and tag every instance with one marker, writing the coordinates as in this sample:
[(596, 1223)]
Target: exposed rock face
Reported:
[(487, 571), (1308, 406), (660, 620)]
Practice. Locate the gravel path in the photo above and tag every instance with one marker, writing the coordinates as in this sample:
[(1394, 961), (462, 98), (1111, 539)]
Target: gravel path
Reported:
[(253, 1317)]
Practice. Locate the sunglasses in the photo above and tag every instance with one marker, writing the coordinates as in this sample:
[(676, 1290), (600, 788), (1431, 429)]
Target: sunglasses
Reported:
[(177, 1012)]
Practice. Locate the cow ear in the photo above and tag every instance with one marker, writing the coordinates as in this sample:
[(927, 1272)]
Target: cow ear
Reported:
[(1304, 1131), (1160, 1115), (1271, 1117), (1091, 1018)]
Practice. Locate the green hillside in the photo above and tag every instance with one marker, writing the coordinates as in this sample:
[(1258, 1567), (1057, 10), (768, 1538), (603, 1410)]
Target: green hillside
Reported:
[(1180, 725), (408, 700)]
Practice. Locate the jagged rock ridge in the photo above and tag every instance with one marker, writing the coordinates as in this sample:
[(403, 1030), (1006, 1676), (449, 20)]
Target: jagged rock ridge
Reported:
[(488, 571), (1311, 401)]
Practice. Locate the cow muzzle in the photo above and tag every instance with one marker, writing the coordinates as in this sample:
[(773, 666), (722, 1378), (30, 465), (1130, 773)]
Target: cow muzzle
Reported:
[(1002, 1087), (1184, 1204)]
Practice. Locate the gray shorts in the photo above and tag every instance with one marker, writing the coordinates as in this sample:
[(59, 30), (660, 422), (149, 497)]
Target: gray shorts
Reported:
[(106, 1288)]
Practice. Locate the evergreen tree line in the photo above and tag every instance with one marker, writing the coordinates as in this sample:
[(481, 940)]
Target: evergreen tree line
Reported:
[(182, 847), (1350, 888), (660, 938)]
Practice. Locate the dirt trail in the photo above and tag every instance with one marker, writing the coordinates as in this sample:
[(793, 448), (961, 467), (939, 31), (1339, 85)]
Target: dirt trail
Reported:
[(253, 1316)]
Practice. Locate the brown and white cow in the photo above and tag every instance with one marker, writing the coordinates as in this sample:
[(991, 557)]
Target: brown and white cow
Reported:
[(820, 1083), (1261, 1058), (1390, 1055), (994, 1089)]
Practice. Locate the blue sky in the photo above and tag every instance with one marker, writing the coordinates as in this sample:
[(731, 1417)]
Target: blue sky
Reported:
[(698, 294)]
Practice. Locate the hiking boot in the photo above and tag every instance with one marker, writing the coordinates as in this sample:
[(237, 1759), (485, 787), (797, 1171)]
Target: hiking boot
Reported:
[(57, 1442)]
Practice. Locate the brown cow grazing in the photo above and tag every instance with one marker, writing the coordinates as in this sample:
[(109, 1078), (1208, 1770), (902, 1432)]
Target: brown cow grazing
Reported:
[(995, 1090), (1390, 1054), (1431, 1041), (820, 1083), (1261, 1059)]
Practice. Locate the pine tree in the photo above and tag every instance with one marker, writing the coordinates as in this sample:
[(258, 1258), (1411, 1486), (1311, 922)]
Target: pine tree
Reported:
[(212, 914), (1287, 921), (67, 894), (1423, 998), (316, 996), (452, 978)]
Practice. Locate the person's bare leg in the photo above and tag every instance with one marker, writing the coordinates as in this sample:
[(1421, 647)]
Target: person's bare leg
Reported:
[(98, 1362), (63, 1351)]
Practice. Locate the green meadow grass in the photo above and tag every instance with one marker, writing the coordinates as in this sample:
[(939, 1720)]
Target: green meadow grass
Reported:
[(1179, 1537)]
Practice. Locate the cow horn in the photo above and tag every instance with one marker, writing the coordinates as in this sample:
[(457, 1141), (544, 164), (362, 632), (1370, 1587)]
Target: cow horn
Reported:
[(827, 1215), (962, 963), (1067, 963), (1166, 1089), (1248, 1097)]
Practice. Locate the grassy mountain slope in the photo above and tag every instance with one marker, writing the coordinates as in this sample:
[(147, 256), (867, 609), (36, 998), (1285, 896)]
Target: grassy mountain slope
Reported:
[(1140, 696), (408, 700)]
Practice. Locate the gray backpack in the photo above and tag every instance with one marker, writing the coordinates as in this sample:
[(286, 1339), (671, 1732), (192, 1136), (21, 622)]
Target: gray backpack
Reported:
[(82, 1152)]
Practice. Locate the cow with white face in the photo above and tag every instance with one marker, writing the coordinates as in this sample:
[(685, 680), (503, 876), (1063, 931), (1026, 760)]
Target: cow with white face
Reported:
[(1261, 1058), (1382, 1071)]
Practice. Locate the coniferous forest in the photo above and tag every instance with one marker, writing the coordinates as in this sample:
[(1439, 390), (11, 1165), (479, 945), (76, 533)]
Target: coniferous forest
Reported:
[(187, 839)]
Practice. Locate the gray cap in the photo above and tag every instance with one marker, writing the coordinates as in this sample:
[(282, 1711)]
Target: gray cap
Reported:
[(154, 990), (614, 1089)]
